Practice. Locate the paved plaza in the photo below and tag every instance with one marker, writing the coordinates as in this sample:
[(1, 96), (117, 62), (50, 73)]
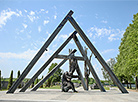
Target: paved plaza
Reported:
[(55, 95)]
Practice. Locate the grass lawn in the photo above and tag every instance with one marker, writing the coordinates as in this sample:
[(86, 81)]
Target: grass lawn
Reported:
[(53, 87), (106, 88)]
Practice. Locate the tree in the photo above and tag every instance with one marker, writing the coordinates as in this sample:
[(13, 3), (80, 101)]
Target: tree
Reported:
[(128, 52), (32, 85), (42, 84), (56, 77), (36, 81), (111, 64), (0, 81), (10, 80), (18, 75)]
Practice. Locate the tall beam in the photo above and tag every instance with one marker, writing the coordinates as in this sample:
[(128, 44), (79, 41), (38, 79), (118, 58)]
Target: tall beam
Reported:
[(65, 57), (98, 56), (38, 55), (81, 77), (52, 72), (88, 63), (47, 63)]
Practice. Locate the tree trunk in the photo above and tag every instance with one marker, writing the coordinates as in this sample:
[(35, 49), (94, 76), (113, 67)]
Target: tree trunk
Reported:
[(130, 85), (127, 84), (136, 83)]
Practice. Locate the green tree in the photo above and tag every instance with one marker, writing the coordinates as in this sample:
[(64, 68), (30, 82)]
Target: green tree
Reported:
[(91, 81), (32, 85), (56, 77), (42, 84), (10, 80), (18, 75), (111, 64), (0, 81), (128, 53), (36, 81)]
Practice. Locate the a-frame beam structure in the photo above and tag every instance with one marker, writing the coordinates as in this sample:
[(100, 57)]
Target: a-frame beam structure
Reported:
[(38, 55), (51, 72), (47, 43), (88, 63), (97, 55), (47, 62)]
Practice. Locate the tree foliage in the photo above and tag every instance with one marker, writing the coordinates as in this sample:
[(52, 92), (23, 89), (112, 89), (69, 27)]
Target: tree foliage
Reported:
[(18, 75), (127, 59), (10, 80), (55, 77), (36, 81)]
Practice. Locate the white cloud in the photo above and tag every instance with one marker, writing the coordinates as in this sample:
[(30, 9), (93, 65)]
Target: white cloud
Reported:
[(104, 21), (55, 16), (32, 13), (46, 22), (109, 60), (46, 12), (5, 15), (25, 25), (32, 16), (24, 55), (63, 36), (25, 11), (22, 31), (39, 29), (107, 51), (112, 34), (112, 37), (42, 10)]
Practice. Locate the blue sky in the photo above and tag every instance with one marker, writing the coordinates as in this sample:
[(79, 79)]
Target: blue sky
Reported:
[(25, 26)]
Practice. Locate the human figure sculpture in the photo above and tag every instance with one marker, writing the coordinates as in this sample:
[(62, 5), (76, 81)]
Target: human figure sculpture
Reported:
[(66, 82)]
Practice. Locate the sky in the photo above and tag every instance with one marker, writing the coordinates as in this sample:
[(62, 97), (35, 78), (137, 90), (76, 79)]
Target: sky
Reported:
[(25, 25)]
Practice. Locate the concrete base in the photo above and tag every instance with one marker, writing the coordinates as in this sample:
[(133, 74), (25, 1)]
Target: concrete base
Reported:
[(55, 95)]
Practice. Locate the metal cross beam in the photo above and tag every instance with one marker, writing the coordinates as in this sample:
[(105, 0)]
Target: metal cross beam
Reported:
[(51, 72), (98, 56), (47, 63), (88, 63), (65, 57), (81, 77)]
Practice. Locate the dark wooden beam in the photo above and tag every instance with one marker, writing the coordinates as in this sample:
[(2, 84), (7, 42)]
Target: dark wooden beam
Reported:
[(66, 57)]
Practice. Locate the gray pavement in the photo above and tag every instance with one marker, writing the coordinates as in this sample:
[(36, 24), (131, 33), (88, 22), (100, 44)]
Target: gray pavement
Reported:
[(55, 95)]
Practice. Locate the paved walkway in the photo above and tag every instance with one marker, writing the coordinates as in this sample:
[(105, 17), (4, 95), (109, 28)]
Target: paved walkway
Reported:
[(55, 95)]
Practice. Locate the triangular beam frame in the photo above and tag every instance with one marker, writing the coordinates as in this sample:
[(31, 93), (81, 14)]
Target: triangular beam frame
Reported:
[(86, 40)]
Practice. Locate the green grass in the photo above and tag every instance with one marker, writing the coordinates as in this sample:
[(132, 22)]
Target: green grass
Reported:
[(53, 87), (4, 90), (106, 88)]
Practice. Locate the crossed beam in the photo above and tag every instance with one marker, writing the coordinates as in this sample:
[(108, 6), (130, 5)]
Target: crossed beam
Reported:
[(47, 43)]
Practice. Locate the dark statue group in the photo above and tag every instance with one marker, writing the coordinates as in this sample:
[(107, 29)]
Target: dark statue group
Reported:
[(67, 76)]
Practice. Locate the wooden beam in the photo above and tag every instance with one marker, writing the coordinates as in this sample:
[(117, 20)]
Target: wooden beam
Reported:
[(81, 77), (65, 57)]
